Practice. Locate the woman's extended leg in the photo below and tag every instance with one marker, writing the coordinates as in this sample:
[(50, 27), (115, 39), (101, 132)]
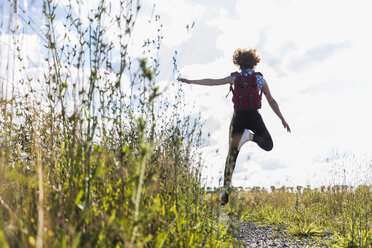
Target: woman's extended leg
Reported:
[(234, 138), (235, 135), (231, 158)]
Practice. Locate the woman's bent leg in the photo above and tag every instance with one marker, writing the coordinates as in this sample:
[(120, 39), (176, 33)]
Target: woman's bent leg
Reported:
[(261, 135), (264, 141)]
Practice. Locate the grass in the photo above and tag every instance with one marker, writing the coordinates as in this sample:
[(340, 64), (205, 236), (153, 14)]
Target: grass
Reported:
[(92, 153), (337, 216)]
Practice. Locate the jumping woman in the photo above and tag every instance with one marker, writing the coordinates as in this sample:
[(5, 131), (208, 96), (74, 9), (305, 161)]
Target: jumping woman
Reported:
[(246, 124)]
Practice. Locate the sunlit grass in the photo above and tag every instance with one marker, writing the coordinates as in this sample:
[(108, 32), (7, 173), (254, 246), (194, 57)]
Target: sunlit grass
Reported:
[(93, 154), (89, 158), (339, 216)]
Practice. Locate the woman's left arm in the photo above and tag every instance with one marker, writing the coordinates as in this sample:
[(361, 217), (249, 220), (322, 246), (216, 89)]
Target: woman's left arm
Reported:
[(273, 104), (209, 81)]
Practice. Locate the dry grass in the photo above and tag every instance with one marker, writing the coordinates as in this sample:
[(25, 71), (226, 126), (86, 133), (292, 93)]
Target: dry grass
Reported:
[(338, 216), (88, 159)]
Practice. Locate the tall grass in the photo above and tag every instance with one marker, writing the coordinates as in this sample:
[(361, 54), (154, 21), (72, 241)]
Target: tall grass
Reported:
[(92, 153)]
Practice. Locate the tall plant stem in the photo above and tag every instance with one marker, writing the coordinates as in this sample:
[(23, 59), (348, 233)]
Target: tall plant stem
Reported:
[(40, 225)]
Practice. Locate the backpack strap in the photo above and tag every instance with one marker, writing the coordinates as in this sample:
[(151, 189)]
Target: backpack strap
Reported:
[(231, 89), (234, 75)]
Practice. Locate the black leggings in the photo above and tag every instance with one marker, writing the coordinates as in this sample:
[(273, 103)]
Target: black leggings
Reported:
[(241, 120)]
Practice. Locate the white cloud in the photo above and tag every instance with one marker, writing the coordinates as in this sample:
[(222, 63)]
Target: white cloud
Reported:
[(175, 16), (17, 51), (316, 58)]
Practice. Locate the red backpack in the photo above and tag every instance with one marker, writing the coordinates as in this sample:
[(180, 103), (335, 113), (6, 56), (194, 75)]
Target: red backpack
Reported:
[(246, 95)]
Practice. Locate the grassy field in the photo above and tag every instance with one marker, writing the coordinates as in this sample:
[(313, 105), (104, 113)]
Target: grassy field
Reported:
[(93, 154), (337, 216)]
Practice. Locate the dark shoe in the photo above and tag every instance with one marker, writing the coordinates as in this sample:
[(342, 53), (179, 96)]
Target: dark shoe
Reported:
[(224, 196)]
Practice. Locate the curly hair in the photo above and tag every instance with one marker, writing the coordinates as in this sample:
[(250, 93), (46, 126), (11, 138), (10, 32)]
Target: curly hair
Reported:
[(246, 59)]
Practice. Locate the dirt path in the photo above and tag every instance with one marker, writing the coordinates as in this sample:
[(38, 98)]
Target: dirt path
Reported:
[(254, 235)]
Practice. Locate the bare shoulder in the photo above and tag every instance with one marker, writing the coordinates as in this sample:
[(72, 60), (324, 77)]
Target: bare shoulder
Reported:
[(265, 86), (230, 80), (265, 89)]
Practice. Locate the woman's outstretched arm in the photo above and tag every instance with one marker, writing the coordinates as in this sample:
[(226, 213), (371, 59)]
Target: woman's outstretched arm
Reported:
[(209, 81), (273, 104)]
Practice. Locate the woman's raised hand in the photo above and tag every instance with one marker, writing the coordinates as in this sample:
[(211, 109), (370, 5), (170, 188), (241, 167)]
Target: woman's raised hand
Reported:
[(184, 80)]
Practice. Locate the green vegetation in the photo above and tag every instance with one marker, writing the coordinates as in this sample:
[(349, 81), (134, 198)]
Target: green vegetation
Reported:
[(93, 154), (96, 157), (338, 216)]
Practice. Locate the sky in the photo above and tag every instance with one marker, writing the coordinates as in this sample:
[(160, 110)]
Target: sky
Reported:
[(316, 58)]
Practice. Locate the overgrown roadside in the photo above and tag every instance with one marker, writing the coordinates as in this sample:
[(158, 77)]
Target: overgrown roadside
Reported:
[(251, 234), (337, 216)]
